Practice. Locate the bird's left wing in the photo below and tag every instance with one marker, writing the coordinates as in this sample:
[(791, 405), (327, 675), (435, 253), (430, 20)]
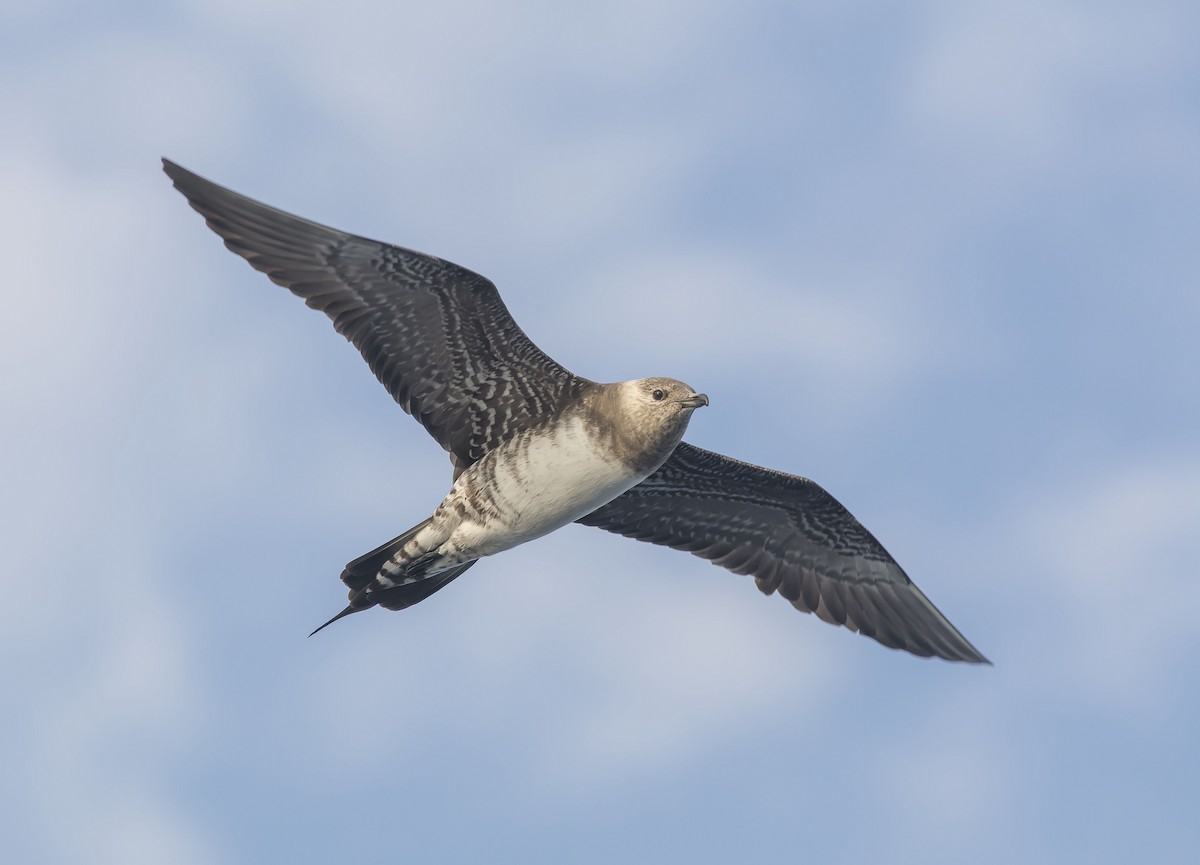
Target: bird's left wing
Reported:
[(793, 537), (435, 334)]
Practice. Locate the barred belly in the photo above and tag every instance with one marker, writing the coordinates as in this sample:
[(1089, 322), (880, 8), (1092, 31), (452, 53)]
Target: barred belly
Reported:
[(532, 485)]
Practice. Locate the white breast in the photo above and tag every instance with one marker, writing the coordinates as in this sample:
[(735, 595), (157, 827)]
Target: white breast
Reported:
[(537, 483)]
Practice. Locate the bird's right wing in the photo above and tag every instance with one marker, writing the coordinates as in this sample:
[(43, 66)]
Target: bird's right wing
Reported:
[(437, 335), (793, 537)]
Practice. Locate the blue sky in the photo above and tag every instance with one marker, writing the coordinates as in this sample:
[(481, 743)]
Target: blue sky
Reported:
[(940, 257)]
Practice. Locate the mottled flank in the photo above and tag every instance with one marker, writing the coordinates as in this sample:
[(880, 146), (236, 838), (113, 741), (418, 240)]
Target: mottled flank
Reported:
[(534, 447)]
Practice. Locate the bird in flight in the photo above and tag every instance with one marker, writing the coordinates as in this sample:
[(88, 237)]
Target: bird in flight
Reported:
[(535, 447)]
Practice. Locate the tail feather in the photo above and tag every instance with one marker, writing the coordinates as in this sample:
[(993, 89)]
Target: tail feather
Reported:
[(350, 609), (403, 596), (360, 574)]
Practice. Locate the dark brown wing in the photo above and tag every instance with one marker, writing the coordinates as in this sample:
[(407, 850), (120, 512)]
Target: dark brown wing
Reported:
[(436, 335), (793, 537)]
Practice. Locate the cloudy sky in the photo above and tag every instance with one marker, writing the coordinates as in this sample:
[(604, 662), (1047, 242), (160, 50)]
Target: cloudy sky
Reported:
[(941, 257)]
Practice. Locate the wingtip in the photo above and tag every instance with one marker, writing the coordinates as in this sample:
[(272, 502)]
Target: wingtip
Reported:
[(966, 654), (980, 659), (178, 175), (966, 650)]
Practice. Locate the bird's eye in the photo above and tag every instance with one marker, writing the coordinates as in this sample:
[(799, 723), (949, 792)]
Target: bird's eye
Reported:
[(659, 393)]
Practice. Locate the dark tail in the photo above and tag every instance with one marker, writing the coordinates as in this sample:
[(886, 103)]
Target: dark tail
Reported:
[(400, 597), (361, 573), (350, 609)]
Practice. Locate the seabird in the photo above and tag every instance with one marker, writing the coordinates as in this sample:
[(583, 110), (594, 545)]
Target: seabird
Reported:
[(535, 447)]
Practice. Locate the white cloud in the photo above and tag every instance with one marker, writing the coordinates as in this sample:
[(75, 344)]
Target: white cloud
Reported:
[(748, 333), (88, 341), (1016, 80), (1115, 582), (945, 781), (119, 704), (672, 656)]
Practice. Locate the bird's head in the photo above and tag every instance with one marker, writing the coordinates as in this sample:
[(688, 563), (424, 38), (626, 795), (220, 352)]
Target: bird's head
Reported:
[(662, 406)]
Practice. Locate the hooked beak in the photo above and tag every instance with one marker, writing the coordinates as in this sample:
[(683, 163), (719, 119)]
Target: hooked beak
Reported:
[(694, 401)]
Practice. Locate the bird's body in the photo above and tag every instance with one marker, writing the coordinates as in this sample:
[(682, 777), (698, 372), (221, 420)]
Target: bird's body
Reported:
[(534, 447), (541, 479), (536, 482)]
